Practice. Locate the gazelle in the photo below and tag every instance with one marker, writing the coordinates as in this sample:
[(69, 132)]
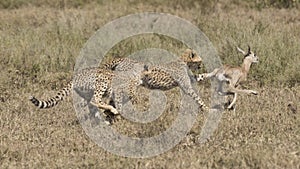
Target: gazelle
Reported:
[(233, 75)]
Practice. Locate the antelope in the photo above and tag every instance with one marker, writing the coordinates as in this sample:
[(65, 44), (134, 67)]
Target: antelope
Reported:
[(233, 76)]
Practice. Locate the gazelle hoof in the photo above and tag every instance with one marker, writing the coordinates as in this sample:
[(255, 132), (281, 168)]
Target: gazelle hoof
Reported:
[(254, 92), (200, 77), (231, 108)]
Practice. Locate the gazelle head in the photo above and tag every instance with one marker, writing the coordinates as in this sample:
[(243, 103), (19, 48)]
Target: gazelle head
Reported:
[(249, 55)]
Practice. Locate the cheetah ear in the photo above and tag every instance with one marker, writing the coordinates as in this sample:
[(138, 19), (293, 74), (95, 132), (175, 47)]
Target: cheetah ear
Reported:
[(192, 54), (146, 67), (240, 50)]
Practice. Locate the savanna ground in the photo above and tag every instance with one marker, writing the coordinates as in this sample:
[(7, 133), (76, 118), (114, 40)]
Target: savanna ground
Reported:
[(40, 41)]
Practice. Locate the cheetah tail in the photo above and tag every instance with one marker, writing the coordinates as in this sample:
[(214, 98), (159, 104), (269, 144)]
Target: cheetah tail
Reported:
[(43, 104)]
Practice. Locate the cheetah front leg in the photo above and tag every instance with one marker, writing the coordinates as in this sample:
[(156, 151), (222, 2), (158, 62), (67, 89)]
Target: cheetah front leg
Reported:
[(132, 90), (186, 86), (129, 90), (195, 96)]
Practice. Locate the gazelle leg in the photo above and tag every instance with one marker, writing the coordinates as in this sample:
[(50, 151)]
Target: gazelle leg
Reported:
[(235, 90), (203, 76), (212, 74), (220, 89), (233, 101)]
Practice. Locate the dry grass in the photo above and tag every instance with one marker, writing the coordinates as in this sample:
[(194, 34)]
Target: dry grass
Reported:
[(39, 46)]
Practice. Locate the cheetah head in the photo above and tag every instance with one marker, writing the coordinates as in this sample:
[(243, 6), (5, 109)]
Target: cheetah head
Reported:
[(192, 59), (190, 56)]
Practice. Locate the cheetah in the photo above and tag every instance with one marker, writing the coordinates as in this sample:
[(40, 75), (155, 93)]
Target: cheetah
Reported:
[(174, 74), (128, 78), (97, 80)]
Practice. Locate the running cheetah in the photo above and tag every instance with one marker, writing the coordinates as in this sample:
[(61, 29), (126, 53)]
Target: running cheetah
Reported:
[(174, 74), (167, 76), (97, 80)]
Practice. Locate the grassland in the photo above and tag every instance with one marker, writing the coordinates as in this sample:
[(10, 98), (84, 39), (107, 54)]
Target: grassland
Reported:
[(39, 43)]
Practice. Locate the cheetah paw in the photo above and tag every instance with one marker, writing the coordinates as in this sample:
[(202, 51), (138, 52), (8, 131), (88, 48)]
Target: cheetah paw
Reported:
[(114, 111)]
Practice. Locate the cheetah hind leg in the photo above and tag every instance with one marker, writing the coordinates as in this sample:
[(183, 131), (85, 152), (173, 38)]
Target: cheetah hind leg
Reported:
[(98, 115)]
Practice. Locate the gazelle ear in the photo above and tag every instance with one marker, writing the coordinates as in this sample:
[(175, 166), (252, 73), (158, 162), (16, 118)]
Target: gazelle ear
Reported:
[(249, 49), (240, 50)]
